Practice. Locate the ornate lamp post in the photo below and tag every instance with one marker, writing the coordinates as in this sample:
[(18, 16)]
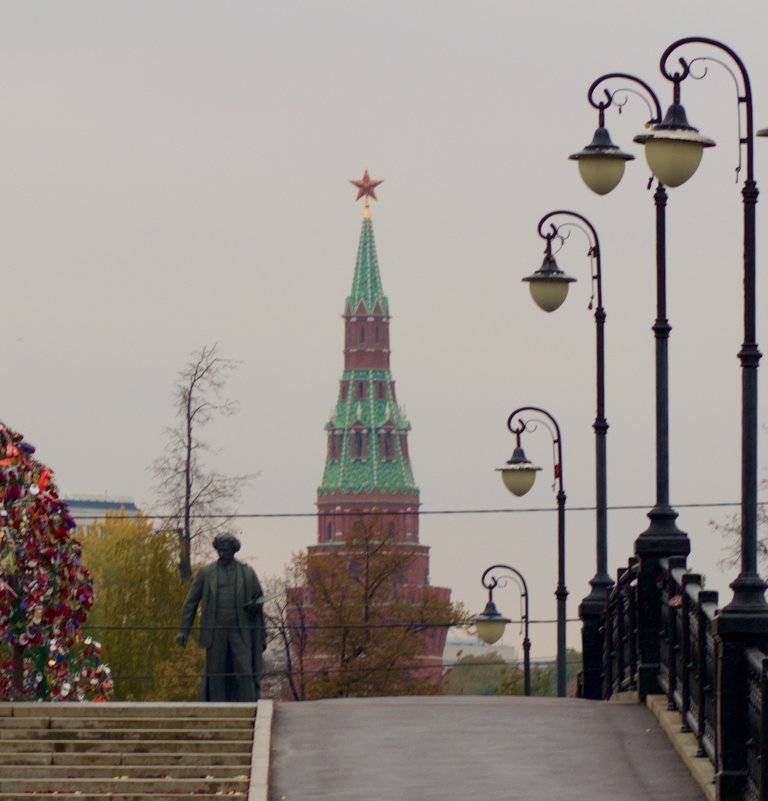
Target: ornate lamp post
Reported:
[(518, 475), (673, 151), (598, 168), (673, 157), (490, 623), (546, 286)]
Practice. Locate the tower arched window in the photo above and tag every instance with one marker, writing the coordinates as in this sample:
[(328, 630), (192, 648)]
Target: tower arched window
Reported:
[(387, 446), (358, 444), (329, 532)]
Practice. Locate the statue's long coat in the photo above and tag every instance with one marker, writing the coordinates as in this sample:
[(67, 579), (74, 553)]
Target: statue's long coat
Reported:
[(250, 620)]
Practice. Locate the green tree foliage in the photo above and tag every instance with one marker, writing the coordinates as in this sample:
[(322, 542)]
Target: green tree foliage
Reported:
[(544, 677), (135, 614), (479, 675), (337, 627)]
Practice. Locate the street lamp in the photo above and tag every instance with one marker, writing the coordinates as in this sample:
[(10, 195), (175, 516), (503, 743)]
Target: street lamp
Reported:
[(490, 624), (671, 158), (744, 621), (673, 147), (662, 536), (592, 606), (749, 589), (549, 284), (510, 474)]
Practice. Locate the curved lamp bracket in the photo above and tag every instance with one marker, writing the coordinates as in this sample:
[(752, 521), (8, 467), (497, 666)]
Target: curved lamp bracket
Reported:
[(743, 91)]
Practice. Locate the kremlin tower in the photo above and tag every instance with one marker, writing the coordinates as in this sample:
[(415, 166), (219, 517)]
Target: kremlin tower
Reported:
[(368, 478)]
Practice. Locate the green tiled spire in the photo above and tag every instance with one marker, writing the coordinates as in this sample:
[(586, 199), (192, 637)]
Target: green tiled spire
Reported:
[(379, 429), (368, 431), (366, 285)]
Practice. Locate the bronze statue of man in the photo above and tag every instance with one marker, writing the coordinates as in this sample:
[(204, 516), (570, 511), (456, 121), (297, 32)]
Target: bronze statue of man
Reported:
[(231, 624)]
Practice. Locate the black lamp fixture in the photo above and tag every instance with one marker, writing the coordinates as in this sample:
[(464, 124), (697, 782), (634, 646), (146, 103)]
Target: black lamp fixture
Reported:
[(601, 163), (673, 147), (549, 284), (592, 606), (490, 623), (519, 475)]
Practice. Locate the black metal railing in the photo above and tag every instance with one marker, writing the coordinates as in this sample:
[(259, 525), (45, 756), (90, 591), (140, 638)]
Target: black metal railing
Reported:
[(687, 654), (620, 634), (757, 726), (687, 673)]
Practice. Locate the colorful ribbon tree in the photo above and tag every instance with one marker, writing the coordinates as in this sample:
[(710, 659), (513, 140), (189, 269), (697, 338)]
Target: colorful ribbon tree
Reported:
[(45, 590)]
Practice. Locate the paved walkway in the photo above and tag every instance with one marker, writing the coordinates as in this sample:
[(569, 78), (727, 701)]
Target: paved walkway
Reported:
[(473, 748)]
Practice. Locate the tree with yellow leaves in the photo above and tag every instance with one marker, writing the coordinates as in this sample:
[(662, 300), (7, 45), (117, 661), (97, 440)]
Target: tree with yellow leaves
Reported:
[(138, 594)]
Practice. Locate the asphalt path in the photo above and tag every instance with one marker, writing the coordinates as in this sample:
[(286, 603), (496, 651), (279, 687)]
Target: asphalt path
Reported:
[(484, 748)]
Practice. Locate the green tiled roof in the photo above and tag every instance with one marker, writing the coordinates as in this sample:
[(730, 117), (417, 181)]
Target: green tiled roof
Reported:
[(373, 472), (366, 285), (374, 417)]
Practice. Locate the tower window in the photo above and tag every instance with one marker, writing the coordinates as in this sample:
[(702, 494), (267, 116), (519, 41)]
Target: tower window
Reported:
[(376, 330), (360, 390), (334, 445), (362, 334), (344, 392), (329, 532), (387, 446), (358, 445), (381, 390)]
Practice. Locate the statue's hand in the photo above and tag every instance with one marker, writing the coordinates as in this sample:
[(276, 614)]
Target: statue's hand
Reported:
[(252, 607), (181, 639)]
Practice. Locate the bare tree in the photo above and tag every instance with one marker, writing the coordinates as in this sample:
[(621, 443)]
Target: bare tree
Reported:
[(196, 498)]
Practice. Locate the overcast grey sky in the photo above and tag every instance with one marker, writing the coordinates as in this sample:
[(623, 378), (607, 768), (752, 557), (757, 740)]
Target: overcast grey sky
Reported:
[(175, 174)]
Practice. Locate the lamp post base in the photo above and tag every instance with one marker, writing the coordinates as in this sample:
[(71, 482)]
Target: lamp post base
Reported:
[(591, 613), (736, 629), (661, 540)]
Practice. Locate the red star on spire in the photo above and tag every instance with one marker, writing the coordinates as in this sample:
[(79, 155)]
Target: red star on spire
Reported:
[(366, 187)]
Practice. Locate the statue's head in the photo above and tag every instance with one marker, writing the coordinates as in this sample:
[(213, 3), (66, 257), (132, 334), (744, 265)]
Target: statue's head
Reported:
[(226, 543)]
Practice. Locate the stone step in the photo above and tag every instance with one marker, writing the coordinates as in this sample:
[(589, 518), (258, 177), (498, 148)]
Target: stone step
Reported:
[(116, 709), (57, 772), (133, 752), (101, 723), (201, 733), (138, 786), (240, 760), (130, 746)]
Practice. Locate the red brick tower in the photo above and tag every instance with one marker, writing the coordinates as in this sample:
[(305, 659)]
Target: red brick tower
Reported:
[(368, 466)]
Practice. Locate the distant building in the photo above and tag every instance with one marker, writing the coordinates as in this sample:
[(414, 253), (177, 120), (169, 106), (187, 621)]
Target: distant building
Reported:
[(368, 474), (456, 648), (87, 509)]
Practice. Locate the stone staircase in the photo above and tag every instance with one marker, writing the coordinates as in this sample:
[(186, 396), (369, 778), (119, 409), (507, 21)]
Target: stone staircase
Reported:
[(132, 752)]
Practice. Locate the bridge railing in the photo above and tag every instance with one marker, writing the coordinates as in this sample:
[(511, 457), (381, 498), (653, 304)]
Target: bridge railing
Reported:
[(688, 668), (620, 634), (757, 725)]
